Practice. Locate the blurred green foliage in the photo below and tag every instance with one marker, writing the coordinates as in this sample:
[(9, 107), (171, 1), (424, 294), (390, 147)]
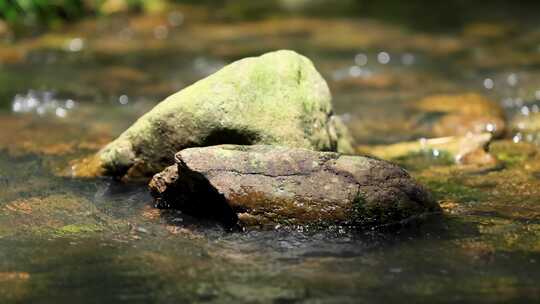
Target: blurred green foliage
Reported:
[(54, 12), (424, 14), (40, 11)]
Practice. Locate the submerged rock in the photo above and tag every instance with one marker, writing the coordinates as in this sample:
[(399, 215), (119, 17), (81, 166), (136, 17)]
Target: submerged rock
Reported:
[(459, 115), (471, 149), (267, 185), (278, 98)]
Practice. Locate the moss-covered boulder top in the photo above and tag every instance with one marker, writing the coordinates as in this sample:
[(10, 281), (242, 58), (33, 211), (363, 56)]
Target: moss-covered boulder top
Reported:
[(268, 185), (278, 98)]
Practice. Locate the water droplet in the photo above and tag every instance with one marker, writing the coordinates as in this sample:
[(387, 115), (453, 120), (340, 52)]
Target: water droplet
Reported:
[(61, 112), (383, 58), (70, 104), (75, 45), (488, 83), (123, 99), (355, 71), (517, 138), (512, 79)]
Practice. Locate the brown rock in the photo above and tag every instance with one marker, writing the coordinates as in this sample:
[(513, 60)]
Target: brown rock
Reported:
[(462, 114), (269, 185)]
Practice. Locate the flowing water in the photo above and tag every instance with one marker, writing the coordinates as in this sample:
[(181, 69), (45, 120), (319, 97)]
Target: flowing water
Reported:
[(66, 93)]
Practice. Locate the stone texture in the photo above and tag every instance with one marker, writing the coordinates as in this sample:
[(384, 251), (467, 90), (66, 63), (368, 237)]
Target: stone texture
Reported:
[(461, 114), (268, 185), (278, 98)]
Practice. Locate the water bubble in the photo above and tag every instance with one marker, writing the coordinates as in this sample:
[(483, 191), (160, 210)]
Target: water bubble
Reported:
[(488, 83), (41, 102), (512, 79), (61, 112), (383, 58), (16, 106), (361, 59), (70, 104), (75, 45), (517, 138), (123, 99), (355, 71)]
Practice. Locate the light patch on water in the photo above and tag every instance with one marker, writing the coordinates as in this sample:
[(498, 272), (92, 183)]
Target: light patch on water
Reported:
[(361, 59), (42, 103), (488, 83), (512, 80), (75, 45), (123, 99), (351, 72), (383, 58)]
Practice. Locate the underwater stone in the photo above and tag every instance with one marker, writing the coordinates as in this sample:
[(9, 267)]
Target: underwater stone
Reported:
[(466, 150), (264, 185), (461, 114), (278, 98)]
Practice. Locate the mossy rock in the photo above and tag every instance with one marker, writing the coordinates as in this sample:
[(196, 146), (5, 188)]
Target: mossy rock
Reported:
[(278, 98)]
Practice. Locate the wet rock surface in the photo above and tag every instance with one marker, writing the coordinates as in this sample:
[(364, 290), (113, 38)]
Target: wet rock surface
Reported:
[(471, 149), (267, 186), (278, 98), (461, 114)]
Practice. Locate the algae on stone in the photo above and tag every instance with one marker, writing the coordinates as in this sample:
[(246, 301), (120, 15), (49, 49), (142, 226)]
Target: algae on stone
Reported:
[(264, 185), (278, 98)]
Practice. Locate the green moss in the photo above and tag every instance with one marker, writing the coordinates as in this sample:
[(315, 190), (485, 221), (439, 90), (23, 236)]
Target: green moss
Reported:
[(512, 153), (257, 100), (78, 229), (448, 189), (374, 214)]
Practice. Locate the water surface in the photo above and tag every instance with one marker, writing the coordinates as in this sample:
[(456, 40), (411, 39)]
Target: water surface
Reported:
[(66, 93)]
